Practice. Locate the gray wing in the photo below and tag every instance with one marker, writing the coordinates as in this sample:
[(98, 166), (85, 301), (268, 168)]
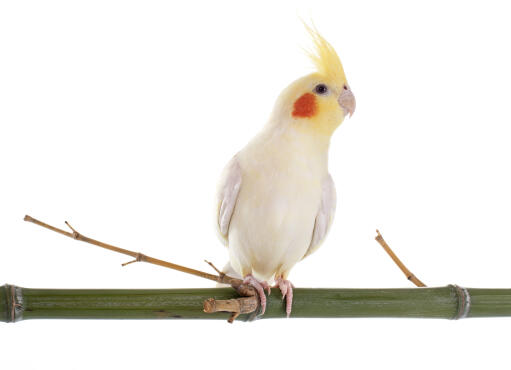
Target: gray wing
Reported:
[(325, 215), (226, 197)]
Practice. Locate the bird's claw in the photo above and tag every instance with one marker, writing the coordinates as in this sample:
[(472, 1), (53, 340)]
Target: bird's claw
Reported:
[(260, 287), (286, 288)]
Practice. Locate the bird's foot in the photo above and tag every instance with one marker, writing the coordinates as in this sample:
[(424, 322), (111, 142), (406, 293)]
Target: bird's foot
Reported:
[(260, 287), (286, 288)]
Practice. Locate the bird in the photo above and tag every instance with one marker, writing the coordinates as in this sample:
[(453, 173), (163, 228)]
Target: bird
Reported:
[(276, 200)]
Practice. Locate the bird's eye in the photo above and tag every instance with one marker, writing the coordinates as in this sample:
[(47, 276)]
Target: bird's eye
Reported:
[(321, 89)]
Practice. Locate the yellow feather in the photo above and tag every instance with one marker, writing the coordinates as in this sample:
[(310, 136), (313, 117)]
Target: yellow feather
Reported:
[(325, 58)]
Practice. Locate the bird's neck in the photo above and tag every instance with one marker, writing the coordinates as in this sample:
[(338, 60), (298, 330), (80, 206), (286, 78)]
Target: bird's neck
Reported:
[(292, 145), (298, 133)]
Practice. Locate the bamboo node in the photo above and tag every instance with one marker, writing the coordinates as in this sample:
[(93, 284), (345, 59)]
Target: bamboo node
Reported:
[(464, 302), (15, 302)]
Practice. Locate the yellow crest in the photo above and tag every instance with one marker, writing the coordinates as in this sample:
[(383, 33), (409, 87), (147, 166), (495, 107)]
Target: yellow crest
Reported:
[(325, 58)]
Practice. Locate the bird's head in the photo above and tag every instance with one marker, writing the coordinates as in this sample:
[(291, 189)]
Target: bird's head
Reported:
[(319, 101)]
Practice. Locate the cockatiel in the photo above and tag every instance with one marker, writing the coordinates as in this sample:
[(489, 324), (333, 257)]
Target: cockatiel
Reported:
[(276, 200)]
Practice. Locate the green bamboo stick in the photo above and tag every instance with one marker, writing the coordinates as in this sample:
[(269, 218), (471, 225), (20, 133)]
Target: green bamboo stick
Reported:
[(451, 302), (443, 302)]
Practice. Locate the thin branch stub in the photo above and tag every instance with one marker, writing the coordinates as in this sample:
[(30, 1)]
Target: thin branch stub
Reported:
[(397, 261)]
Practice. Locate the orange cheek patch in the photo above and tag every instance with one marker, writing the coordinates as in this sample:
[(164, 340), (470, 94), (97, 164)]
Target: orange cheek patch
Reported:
[(305, 106)]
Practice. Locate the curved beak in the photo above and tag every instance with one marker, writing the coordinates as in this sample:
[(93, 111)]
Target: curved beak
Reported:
[(347, 101)]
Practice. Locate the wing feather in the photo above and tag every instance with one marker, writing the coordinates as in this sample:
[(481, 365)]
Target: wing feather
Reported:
[(324, 216), (227, 195)]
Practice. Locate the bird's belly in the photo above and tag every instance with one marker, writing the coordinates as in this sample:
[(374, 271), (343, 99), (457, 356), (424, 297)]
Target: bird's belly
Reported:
[(272, 224)]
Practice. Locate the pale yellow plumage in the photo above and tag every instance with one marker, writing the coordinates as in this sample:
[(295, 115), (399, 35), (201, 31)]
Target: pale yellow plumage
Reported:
[(325, 58), (271, 227), (276, 199)]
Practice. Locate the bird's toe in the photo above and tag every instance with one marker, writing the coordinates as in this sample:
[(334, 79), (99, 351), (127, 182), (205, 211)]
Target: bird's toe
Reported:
[(286, 288), (259, 286)]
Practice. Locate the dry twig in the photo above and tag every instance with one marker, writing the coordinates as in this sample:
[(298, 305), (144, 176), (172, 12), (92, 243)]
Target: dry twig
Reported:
[(249, 302), (398, 262)]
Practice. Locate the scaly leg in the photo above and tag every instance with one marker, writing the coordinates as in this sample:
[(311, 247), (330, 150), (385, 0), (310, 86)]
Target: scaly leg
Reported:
[(286, 288), (259, 286)]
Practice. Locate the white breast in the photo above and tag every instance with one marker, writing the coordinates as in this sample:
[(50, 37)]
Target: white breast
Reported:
[(272, 224)]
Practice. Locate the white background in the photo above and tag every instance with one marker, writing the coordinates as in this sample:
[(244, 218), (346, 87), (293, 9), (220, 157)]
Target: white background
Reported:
[(119, 116)]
